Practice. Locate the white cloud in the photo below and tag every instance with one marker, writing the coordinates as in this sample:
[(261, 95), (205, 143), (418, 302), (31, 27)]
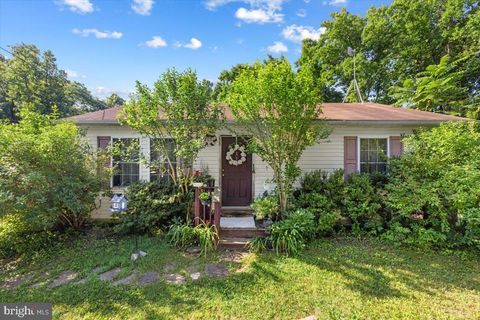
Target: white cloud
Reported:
[(298, 33), (258, 16), (98, 34), (260, 11), (72, 74), (277, 47), (143, 7), (302, 13), (194, 44), (156, 42), (335, 2), (79, 6)]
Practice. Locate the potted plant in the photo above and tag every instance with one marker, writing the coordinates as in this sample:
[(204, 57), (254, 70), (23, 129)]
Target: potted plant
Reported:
[(204, 198), (202, 180)]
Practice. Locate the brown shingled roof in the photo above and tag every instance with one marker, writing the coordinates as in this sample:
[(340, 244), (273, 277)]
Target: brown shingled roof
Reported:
[(331, 111)]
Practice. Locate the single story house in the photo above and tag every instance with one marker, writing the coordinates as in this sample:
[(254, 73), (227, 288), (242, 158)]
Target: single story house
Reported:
[(363, 136)]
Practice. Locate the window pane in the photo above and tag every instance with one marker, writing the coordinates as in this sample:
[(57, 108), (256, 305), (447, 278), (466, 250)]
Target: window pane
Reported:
[(363, 144), (373, 154)]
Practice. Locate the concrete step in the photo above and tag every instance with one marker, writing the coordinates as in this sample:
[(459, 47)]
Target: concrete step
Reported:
[(233, 243), (237, 222), (242, 233)]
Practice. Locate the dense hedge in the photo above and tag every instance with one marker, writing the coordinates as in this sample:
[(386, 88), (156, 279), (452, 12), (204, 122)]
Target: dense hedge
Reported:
[(430, 197)]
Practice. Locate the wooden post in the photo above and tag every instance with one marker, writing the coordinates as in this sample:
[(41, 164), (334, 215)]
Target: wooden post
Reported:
[(197, 206), (216, 215)]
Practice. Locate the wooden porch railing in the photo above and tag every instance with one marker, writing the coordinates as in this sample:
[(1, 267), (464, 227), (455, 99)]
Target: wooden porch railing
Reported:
[(209, 213)]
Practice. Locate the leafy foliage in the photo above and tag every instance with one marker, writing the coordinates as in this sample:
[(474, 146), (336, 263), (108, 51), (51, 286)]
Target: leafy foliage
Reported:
[(438, 88), (178, 107), (289, 235), (402, 45), (181, 235), (278, 108), (362, 204), (266, 207), (207, 236), (435, 188), (152, 206), (48, 177), (31, 78)]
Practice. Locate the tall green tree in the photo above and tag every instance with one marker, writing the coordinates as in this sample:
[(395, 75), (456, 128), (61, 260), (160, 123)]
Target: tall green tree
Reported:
[(177, 112), (114, 100), (437, 89), (279, 110), (395, 43), (33, 78)]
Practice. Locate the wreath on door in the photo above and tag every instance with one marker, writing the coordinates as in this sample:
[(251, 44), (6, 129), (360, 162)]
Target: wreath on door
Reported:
[(236, 155)]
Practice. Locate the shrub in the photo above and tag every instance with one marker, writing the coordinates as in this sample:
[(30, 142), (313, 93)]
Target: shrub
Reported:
[(362, 204), (289, 235), (325, 211), (49, 179), (330, 184), (434, 189), (258, 244), (152, 206), (181, 235), (18, 237), (266, 207), (207, 236)]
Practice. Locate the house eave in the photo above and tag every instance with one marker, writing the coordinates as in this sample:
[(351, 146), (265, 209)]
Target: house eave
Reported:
[(330, 122)]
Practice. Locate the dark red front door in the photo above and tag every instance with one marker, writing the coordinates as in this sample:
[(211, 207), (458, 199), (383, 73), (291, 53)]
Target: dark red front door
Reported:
[(236, 174)]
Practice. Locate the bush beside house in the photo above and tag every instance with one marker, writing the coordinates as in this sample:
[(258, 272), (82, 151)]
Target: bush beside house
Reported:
[(48, 181), (430, 197)]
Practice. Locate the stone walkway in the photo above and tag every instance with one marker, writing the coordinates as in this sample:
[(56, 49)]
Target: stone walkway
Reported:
[(170, 275)]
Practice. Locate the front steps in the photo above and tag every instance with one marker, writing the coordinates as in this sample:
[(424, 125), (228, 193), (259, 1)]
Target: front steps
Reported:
[(236, 232)]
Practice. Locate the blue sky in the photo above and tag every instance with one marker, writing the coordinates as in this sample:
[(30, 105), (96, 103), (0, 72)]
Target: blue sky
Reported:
[(107, 45)]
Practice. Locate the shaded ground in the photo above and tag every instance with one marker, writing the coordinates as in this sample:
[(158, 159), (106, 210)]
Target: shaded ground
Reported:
[(331, 280)]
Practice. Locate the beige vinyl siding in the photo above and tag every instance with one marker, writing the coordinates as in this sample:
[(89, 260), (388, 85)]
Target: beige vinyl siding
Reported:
[(326, 155)]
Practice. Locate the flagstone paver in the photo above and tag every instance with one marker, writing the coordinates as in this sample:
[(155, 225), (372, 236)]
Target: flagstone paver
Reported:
[(195, 275), (128, 279), (16, 281), (109, 275), (175, 278), (148, 278), (233, 256), (64, 277), (94, 271), (216, 270)]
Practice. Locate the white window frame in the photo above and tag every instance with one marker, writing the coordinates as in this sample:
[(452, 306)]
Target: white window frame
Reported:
[(139, 162), (371, 137)]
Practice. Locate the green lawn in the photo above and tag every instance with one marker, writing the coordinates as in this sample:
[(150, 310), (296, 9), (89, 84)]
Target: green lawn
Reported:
[(332, 279)]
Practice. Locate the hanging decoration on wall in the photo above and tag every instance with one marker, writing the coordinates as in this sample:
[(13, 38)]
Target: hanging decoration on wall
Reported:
[(210, 141), (236, 155)]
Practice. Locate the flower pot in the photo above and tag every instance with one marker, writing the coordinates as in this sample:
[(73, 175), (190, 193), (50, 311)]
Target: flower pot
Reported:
[(204, 203)]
